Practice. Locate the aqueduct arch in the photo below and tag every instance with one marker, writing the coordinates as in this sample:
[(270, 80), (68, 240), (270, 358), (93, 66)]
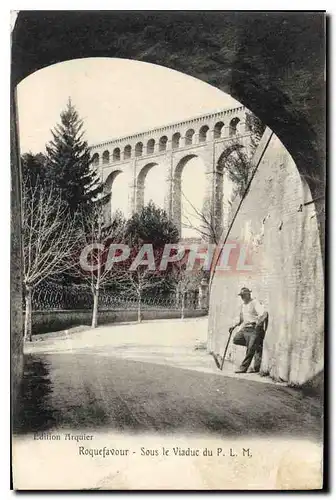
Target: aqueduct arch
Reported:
[(177, 190), (256, 45), (260, 75), (108, 189), (140, 185), (219, 180), (204, 136)]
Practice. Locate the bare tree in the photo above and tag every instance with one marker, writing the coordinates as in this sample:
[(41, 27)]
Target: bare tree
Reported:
[(203, 222), (140, 280), (48, 239), (95, 236), (236, 164)]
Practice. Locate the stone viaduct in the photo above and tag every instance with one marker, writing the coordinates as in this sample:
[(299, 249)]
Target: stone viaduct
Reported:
[(170, 147)]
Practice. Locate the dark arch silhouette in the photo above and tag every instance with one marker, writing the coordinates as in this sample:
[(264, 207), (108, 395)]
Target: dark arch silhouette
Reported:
[(260, 75)]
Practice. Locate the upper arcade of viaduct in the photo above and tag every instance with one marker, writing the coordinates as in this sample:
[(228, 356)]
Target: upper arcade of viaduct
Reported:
[(194, 131), (169, 148)]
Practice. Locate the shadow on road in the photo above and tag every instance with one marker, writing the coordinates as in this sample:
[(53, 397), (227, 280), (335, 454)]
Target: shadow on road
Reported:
[(88, 391), (34, 411)]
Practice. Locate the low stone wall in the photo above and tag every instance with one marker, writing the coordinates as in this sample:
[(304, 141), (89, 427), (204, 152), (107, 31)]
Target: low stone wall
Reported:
[(54, 321)]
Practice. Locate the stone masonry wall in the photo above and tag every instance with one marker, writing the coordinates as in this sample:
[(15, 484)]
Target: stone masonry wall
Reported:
[(287, 271), (54, 321)]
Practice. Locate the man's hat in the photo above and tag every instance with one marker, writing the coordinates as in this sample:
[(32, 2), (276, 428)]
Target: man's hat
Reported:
[(244, 290)]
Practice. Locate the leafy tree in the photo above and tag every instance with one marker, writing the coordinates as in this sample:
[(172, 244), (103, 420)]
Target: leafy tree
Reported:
[(70, 165), (150, 226)]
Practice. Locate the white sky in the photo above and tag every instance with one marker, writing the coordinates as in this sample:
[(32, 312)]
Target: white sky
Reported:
[(117, 97), (113, 96)]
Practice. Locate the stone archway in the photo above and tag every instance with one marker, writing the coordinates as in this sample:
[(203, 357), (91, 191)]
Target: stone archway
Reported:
[(287, 94), (258, 75)]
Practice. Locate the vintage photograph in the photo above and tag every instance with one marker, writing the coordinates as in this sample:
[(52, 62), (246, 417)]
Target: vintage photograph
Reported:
[(168, 250)]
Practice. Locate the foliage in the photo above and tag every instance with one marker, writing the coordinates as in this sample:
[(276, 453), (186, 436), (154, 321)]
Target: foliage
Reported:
[(256, 127), (151, 225), (33, 169)]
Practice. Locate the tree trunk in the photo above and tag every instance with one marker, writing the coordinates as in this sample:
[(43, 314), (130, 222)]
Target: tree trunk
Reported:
[(28, 316), (177, 298), (139, 309), (182, 305), (95, 308)]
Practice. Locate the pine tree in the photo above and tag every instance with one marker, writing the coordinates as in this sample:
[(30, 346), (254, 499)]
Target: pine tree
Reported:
[(69, 163)]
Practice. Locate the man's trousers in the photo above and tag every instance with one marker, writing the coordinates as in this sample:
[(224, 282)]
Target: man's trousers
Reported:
[(252, 337)]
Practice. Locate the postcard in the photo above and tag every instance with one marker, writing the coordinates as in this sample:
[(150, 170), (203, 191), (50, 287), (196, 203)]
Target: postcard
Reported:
[(167, 250)]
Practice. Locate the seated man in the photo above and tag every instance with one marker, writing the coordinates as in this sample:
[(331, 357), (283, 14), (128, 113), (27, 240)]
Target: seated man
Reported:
[(251, 334)]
